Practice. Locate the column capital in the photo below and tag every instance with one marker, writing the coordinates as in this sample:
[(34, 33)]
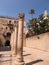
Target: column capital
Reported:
[(21, 15)]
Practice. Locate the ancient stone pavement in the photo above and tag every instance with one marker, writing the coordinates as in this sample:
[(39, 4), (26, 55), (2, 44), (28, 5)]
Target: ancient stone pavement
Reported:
[(31, 57)]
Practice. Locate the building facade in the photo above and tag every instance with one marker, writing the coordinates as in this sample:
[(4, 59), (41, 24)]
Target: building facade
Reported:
[(6, 27)]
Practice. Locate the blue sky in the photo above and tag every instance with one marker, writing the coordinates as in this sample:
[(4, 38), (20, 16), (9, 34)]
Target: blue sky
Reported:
[(13, 7)]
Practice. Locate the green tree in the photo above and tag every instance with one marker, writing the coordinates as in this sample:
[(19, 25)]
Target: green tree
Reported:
[(40, 17), (33, 26), (37, 26), (44, 26)]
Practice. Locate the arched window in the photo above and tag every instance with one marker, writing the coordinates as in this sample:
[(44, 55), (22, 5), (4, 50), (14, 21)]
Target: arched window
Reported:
[(6, 28), (8, 34), (10, 22), (14, 22)]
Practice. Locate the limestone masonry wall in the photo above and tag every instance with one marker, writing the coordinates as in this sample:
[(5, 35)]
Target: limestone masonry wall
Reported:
[(40, 42)]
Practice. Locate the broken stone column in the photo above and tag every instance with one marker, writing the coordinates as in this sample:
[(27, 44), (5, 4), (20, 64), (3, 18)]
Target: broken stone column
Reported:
[(19, 56)]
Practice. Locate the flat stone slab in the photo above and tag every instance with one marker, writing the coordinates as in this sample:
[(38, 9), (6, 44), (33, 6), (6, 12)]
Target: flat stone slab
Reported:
[(31, 57)]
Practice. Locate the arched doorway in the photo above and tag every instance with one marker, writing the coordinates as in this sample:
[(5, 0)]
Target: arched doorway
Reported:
[(7, 43), (8, 34)]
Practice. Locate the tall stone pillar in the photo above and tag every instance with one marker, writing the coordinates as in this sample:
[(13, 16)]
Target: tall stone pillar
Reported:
[(12, 46), (13, 42), (20, 41), (14, 39), (24, 34)]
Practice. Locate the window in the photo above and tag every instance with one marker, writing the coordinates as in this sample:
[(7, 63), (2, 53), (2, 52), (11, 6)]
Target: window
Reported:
[(14, 22), (9, 22), (6, 27)]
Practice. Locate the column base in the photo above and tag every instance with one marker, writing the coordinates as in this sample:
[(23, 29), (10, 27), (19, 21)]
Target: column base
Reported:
[(17, 61)]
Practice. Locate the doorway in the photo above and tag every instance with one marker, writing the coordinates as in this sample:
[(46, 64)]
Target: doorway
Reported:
[(7, 43)]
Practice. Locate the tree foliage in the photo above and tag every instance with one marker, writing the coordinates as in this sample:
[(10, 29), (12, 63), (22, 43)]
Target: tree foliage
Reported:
[(40, 17), (33, 26), (37, 26)]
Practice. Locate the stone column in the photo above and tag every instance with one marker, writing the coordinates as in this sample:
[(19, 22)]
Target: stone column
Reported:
[(14, 36), (24, 34), (20, 41), (11, 41), (12, 46)]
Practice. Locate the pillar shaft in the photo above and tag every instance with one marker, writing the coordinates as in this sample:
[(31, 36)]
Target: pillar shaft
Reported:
[(11, 41), (14, 39), (20, 41), (24, 34)]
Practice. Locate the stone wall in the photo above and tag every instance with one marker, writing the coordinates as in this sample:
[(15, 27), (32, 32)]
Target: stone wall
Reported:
[(40, 42)]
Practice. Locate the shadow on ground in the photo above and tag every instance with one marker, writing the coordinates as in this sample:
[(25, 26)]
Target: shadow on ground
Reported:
[(36, 61), (26, 54)]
